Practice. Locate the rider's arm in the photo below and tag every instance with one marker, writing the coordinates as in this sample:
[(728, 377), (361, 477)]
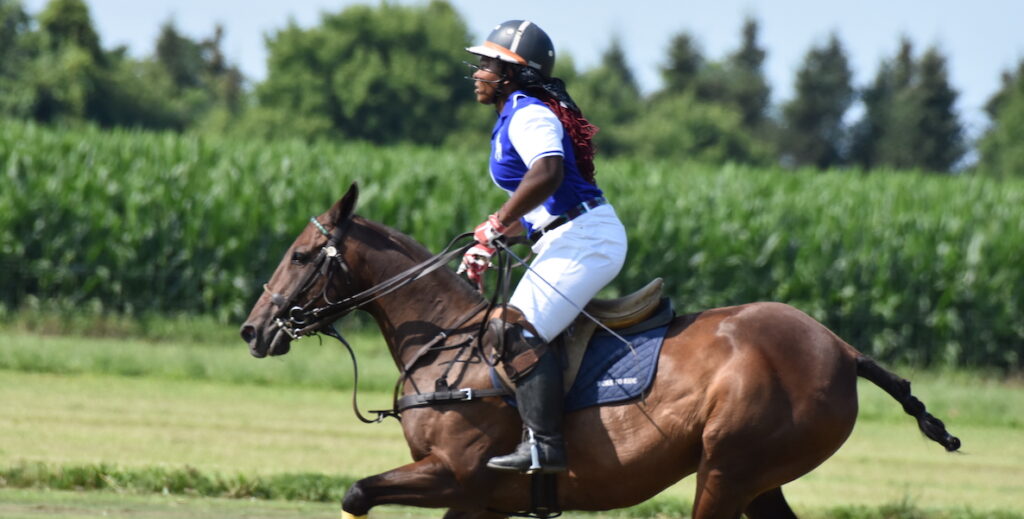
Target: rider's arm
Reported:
[(536, 133), (540, 182)]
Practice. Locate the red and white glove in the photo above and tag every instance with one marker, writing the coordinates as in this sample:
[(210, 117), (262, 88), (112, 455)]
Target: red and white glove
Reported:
[(490, 230), (475, 262)]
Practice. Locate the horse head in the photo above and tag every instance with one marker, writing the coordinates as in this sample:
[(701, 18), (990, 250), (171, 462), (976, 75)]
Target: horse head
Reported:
[(305, 284)]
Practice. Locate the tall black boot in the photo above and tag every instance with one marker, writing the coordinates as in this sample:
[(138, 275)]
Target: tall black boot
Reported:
[(539, 397)]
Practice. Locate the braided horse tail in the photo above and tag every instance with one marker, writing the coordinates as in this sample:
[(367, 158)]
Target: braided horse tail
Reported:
[(899, 389)]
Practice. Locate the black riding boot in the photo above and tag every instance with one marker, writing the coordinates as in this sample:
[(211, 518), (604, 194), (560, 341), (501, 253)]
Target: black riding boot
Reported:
[(539, 397)]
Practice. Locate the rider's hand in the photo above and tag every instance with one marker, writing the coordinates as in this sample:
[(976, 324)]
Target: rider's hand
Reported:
[(490, 230), (475, 262)]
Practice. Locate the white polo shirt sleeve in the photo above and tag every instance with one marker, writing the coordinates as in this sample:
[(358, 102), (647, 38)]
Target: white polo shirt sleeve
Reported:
[(536, 132)]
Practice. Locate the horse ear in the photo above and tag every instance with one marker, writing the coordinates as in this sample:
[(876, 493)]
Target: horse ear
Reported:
[(342, 209)]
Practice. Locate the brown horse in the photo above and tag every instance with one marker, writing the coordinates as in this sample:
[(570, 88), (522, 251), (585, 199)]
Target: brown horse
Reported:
[(749, 397)]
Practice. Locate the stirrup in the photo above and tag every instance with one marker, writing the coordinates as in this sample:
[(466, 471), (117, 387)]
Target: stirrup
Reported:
[(526, 459)]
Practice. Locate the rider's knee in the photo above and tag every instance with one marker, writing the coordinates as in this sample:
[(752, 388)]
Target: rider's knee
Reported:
[(518, 350)]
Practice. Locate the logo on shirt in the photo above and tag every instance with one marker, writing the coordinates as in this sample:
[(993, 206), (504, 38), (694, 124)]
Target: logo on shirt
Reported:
[(497, 150)]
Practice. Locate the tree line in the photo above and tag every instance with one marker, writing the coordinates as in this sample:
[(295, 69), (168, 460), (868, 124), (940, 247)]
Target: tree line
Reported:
[(394, 74)]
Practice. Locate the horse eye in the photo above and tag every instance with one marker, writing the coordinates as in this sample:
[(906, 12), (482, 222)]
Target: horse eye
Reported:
[(299, 258)]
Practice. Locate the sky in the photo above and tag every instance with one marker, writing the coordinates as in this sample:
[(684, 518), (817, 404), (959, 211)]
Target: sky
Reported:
[(981, 38)]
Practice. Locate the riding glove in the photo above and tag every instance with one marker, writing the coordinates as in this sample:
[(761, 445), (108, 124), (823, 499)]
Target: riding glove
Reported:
[(475, 262)]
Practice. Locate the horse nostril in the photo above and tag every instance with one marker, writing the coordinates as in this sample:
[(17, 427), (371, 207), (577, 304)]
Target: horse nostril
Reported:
[(248, 332)]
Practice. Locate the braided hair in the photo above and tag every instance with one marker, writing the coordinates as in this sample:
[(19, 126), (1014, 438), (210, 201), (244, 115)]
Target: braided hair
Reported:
[(553, 93)]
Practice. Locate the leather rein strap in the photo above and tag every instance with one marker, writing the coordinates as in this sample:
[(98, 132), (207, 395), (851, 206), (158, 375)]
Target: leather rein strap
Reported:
[(302, 321), (334, 310), (298, 321)]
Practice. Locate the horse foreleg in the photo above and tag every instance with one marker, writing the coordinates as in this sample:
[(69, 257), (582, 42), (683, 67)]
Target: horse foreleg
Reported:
[(425, 483), (466, 514), (770, 505)]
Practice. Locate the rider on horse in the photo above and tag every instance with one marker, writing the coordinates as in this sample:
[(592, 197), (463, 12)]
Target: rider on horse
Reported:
[(541, 153)]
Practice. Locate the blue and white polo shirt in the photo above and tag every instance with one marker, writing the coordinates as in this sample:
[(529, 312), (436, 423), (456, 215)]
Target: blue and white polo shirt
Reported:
[(527, 130)]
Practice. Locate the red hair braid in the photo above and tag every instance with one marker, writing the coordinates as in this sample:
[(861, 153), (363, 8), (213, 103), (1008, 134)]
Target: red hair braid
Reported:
[(580, 131)]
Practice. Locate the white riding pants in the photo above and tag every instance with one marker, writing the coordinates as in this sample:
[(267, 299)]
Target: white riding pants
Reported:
[(578, 258)]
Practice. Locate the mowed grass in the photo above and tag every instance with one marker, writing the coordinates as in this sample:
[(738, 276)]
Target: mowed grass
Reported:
[(215, 427), (230, 428), (218, 357), (207, 405), (39, 504)]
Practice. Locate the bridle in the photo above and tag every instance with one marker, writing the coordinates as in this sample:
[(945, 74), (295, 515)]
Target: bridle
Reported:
[(293, 319), (300, 321)]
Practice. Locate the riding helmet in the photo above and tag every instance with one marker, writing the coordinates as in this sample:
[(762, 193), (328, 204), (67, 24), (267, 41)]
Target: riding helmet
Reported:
[(520, 42)]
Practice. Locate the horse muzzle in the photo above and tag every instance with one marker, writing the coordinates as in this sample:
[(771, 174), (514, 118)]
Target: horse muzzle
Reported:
[(266, 340)]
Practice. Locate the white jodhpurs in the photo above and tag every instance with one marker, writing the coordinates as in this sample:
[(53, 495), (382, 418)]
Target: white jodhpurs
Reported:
[(579, 258)]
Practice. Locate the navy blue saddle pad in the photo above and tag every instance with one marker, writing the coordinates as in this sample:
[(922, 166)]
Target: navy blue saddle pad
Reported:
[(610, 372)]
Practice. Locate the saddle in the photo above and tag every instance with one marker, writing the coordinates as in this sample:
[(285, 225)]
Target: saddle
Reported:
[(642, 310)]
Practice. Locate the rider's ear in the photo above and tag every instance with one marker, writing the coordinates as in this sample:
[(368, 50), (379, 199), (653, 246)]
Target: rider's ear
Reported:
[(342, 209)]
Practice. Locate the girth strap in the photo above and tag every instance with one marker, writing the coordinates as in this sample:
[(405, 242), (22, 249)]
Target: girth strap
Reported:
[(451, 395)]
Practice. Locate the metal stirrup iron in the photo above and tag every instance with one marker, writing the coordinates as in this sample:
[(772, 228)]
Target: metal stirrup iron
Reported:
[(534, 453)]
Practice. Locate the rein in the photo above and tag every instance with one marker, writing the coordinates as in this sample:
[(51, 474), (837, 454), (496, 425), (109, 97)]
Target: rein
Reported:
[(301, 321)]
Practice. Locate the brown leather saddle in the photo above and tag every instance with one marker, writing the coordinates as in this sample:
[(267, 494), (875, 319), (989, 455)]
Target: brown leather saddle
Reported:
[(634, 313)]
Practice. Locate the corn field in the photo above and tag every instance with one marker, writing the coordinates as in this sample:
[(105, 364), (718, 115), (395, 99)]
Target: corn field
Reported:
[(909, 267)]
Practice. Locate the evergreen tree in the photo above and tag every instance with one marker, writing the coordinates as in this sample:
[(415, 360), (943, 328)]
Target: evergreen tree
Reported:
[(895, 140), (814, 132), (16, 97), (909, 119), (615, 64), (14, 24), (565, 68), (878, 101), (200, 78), (748, 87), (712, 111), (682, 127), (1011, 82), (941, 143), (685, 61), (223, 80), (66, 76), (609, 96), (609, 91), (68, 23), (911, 113), (1000, 147), (180, 57)]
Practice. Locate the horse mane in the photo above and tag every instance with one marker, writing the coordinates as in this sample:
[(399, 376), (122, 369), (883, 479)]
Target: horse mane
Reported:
[(413, 249), (381, 237)]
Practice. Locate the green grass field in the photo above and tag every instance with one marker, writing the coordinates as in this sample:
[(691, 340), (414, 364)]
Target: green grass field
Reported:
[(39, 504), (135, 405)]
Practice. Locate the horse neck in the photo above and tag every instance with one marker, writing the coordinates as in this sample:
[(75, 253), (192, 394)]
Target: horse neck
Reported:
[(418, 312)]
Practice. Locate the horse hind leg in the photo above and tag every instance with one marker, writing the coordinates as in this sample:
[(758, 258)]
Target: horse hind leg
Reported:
[(717, 496), (770, 505), (716, 499)]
